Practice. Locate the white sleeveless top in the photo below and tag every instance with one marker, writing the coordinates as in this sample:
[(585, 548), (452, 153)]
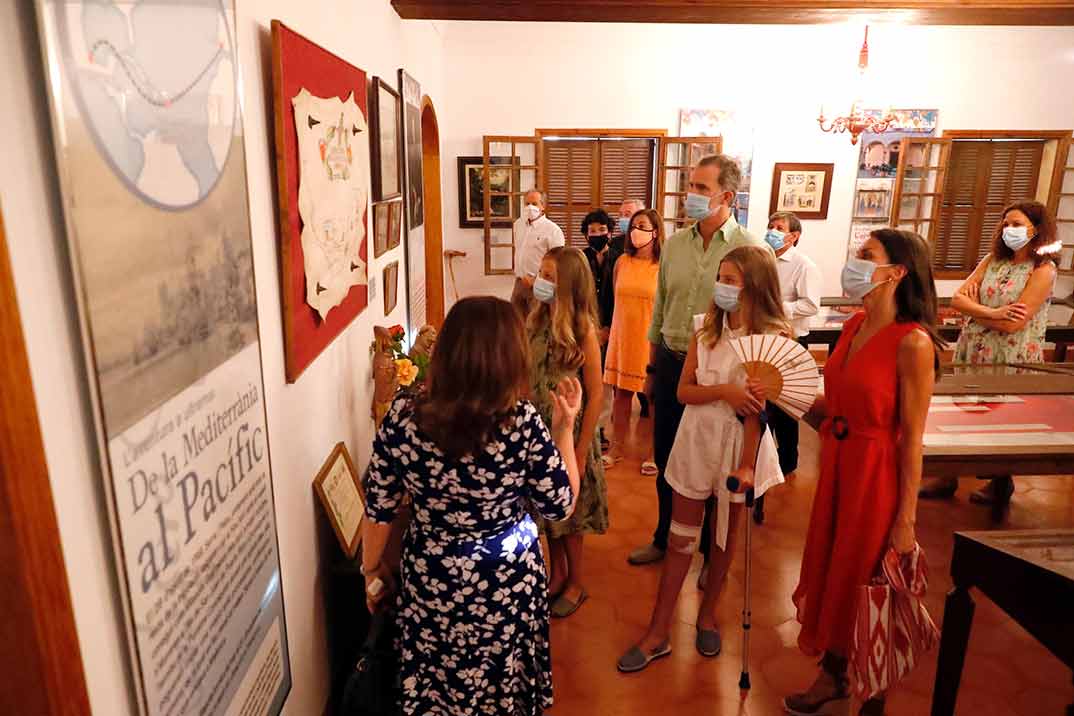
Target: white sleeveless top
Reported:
[(708, 445)]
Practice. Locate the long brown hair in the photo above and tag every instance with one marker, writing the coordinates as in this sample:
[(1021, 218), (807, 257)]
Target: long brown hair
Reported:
[(915, 296), (1043, 247), (760, 284), (478, 372), (573, 312), (658, 233)]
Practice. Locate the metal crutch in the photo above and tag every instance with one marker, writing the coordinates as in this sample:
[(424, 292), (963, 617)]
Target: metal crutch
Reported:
[(733, 483)]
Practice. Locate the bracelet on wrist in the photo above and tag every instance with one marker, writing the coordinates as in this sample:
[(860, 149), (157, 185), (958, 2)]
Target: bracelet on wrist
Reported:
[(366, 570)]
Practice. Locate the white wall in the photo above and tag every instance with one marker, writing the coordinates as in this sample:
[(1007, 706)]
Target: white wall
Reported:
[(509, 78), (329, 403)]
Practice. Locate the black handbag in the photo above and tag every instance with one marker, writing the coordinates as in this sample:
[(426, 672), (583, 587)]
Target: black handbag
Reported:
[(374, 688)]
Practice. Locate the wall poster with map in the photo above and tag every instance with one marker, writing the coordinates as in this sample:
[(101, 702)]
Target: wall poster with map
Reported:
[(147, 122), (322, 170)]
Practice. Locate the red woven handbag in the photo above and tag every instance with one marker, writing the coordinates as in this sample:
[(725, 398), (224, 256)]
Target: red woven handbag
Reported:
[(892, 628)]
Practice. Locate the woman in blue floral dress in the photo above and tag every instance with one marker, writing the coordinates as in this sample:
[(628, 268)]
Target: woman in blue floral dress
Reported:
[(472, 456), (1005, 302)]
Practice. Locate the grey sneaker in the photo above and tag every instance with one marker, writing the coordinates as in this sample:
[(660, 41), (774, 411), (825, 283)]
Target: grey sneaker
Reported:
[(645, 555)]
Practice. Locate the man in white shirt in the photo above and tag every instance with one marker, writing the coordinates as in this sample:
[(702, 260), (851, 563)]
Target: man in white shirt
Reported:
[(535, 235), (799, 280)]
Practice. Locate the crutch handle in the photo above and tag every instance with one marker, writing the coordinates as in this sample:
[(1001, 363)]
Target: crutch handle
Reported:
[(733, 484)]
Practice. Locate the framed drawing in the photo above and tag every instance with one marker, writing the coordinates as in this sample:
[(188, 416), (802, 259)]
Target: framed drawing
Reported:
[(472, 197), (415, 198), (338, 487), (385, 143), (391, 287), (803, 189), (872, 202), (396, 224), (322, 160), (147, 120), (381, 228)]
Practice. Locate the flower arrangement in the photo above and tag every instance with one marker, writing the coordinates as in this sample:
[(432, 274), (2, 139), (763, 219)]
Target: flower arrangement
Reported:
[(395, 370)]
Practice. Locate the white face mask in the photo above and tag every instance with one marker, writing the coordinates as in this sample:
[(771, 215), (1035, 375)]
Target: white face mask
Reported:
[(533, 212)]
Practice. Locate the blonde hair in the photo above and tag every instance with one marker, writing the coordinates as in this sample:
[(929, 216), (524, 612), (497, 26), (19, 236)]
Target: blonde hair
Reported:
[(760, 288), (573, 313)]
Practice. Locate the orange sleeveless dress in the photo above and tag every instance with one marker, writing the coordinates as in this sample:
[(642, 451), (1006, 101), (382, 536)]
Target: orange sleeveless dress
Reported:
[(858, 492)]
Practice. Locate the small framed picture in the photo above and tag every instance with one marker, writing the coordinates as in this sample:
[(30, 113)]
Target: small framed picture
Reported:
[(396, 224), (803, 189), (391, 287), (381, 228), (385, 147), (504, 177), (340, 493)]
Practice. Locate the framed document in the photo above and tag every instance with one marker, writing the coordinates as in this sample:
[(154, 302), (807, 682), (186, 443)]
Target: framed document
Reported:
[(341, 495)]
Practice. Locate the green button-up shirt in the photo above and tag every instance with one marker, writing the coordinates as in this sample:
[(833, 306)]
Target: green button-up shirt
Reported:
[(687, 277)]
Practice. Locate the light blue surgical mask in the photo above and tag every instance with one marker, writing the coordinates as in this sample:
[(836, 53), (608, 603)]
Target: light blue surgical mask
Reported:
[(726, 297), (857, 278), (1016, 237), (697, 206), (624, 224), (544, 290), (774, 237)]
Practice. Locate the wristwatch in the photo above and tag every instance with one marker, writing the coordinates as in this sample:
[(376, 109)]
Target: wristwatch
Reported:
[(650, 369)]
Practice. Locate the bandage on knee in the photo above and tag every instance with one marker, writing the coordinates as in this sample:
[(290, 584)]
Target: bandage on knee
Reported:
[(684, 538)]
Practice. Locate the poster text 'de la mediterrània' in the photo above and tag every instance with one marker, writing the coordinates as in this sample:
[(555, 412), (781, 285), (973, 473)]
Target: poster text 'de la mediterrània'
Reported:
[(149, 139)]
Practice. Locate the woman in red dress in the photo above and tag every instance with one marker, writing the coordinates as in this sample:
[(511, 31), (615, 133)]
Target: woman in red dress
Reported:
[(877, 388)]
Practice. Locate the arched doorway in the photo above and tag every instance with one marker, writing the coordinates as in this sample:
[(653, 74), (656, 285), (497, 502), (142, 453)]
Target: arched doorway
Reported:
[(434, 226)]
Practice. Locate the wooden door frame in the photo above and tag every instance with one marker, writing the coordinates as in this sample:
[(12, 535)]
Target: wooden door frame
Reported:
[(434, 215), (42, 665)]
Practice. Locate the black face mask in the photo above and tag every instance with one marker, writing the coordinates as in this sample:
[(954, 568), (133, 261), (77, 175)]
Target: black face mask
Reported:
[(597, 243)]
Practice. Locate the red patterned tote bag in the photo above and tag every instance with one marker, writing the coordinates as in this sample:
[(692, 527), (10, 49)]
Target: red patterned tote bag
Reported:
[(892, 628)]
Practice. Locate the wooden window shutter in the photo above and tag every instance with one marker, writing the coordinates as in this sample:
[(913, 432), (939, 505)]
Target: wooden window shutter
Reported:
[(677, 156), (923, 171), (523, 156), (570, 176), (985, 176), (626, 172)]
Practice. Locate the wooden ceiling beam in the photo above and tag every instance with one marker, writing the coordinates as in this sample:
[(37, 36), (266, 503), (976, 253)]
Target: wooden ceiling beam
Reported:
[(913, 12)]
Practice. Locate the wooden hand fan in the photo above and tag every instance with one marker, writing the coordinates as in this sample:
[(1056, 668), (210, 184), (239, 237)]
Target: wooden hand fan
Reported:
[(785, 369)]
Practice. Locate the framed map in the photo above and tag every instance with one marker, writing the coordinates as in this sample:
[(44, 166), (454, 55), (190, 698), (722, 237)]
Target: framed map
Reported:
[(322, 160), (148, 133)]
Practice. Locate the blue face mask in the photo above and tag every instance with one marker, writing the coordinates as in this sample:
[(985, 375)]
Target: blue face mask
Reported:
[(543, 290), (726, 297), (624, 224), (774, 237), (857, 278), (1016, 237), (697, 206)]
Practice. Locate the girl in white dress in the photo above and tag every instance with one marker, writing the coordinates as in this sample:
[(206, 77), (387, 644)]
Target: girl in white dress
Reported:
[(721, 434)]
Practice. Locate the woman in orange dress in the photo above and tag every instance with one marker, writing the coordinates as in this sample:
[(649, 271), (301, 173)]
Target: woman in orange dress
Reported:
[(877, 389), (628, 345)]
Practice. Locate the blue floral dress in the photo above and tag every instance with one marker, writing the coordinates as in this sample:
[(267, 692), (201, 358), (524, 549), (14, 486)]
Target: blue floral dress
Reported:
[(473, 605)]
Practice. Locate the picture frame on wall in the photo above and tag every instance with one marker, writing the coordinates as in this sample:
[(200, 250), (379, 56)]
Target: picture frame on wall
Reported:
[(505, 173), (339, 489), (391, 287), (385, 142), (395, 208), (381, 228), (415, 192), (803, 189), (323, 183)]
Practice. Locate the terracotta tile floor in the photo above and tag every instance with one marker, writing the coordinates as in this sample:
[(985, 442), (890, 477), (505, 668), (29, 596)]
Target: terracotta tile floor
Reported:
[(1007, 672)]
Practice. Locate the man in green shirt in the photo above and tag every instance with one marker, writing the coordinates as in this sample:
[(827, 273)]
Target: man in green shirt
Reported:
[(689, 262)]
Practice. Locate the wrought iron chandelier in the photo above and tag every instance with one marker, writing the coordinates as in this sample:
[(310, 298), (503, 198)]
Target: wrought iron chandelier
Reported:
[(859, 120)]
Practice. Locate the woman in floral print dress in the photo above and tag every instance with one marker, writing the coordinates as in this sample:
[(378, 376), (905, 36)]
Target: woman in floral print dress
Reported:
[(473, 457), (1005, 302)]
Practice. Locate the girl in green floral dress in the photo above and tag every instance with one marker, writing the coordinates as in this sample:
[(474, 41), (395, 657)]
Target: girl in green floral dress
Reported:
[(1005, 302), (564, 342)]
